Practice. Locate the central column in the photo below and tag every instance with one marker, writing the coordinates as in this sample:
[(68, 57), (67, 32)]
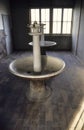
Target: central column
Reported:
[(38, 91), (42, 36), (36, 54), (35, 32)]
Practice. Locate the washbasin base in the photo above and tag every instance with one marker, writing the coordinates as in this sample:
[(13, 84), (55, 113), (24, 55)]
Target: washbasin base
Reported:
[(38, 91)]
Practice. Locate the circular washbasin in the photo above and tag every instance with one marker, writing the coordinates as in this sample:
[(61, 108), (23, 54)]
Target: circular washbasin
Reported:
[(38, 90), (23, 67), (45, 43)]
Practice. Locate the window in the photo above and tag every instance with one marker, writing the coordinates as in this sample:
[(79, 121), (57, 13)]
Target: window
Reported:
[(62, 19), (59, 21)]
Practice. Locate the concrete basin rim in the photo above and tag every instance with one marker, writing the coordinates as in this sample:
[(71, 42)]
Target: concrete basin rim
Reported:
[(32, 77)]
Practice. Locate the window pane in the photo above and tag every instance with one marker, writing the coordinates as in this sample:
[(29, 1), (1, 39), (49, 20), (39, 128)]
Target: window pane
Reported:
[(54, 27), (57, 27), (66, 27), (34, 15), (57, 14), (67, 15), (45, 15), (70, 15), (46, 28)]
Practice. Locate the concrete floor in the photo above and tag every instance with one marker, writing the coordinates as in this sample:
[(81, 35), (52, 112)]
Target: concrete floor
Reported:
[(63, 110)]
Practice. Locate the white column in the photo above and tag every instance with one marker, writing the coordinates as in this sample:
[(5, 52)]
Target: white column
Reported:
[(36, 54), (42, 36)]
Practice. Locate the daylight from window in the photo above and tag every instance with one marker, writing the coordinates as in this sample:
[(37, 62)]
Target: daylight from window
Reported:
[(34, 15), (61, 19), (45, 19), (67, 18), (57, 13)]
